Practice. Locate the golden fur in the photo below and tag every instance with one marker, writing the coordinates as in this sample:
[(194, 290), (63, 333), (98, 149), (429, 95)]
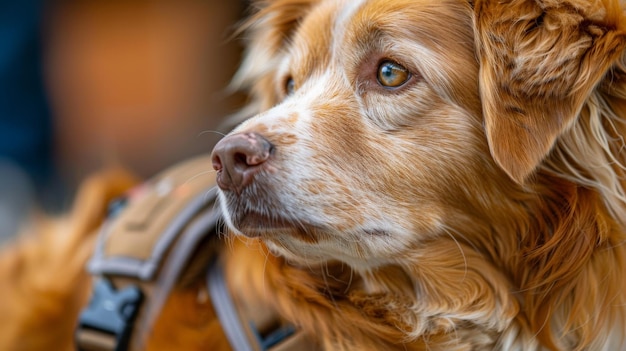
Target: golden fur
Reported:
[(43, 275), (481, 206)]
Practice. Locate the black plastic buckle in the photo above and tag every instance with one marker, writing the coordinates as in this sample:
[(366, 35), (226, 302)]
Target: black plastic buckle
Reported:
[(112, 312)]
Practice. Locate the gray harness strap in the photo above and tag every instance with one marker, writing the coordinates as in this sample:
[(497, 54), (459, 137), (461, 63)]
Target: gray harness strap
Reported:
[(142, 252), (226, 310)]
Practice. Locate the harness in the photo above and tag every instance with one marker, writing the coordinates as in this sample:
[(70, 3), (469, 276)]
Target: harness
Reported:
[(150, 240)]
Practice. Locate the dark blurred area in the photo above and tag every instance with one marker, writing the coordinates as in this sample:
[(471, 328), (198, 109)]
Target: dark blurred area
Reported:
[(88, 84)]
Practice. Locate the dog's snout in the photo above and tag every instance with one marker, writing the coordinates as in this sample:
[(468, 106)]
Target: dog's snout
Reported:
[(238, 157)]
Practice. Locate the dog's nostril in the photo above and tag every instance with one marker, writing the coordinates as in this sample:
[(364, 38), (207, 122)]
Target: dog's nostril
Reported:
[(238, 157), (241, 160), (217, 162)]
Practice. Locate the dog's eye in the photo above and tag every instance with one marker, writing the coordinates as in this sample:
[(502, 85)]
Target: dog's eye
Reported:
[(392, 75), (290, 86)]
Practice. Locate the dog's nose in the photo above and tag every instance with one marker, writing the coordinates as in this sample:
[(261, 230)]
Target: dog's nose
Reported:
[(238, 157)]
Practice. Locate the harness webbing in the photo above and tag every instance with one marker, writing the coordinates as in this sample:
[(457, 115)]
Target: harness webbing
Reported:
[(226, 310), (143, 250)]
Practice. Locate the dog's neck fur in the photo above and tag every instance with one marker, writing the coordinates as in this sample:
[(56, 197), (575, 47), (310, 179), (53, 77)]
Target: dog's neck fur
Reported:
[(553, 275)]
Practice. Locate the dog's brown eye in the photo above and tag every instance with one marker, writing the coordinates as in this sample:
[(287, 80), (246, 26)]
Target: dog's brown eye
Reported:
[(392, 75), (290, 86)]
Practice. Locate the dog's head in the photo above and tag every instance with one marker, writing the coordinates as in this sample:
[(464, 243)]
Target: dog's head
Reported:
[(389, 123)]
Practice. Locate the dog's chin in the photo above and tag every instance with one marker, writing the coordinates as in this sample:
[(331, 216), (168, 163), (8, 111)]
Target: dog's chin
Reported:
[(305, 244), (290, 239), (256, 225), (303, 241), (253, 224)]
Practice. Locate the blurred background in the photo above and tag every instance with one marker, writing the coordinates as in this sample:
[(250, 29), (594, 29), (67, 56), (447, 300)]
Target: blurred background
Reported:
[(93, 83)]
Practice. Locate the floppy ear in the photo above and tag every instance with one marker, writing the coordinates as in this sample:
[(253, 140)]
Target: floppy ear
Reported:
[(539, 62)]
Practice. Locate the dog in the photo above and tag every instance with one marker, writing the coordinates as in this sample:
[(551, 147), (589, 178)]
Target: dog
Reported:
[(433, 174), (418, 175)]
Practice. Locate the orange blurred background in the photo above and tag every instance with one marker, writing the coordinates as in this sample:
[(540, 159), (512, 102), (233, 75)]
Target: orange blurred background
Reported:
[(138, 83), (134, 83)]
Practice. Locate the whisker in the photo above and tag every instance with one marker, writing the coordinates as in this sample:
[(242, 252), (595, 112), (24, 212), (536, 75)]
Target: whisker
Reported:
[(267, 258), (448, 232), (199, 175), (349, 281), (324, 272), (210, 132)]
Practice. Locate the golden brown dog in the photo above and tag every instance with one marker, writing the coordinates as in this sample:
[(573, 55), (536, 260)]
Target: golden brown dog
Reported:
[(422, 175), (436, 174)]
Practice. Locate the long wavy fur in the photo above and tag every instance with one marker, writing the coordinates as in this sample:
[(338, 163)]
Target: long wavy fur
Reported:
[(559, 237)]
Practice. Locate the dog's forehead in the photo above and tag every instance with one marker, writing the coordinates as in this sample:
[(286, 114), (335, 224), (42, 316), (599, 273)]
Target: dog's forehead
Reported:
[(337, 29), (320, 30), (433, 38)]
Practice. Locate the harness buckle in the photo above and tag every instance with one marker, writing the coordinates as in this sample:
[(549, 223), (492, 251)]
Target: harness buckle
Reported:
[(107, 322)]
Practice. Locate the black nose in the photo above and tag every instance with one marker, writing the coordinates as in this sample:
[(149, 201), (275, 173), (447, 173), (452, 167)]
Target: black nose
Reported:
[(238, 157)]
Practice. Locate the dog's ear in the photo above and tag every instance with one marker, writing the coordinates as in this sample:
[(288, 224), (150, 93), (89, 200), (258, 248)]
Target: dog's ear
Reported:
[(267, 31), (539, 62)]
